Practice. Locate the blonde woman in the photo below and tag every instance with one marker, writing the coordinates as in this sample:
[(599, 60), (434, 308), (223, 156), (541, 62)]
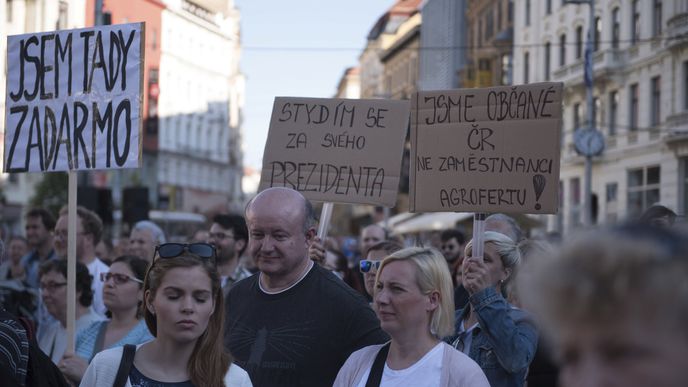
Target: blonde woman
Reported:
[(413, 299), (500, 337)]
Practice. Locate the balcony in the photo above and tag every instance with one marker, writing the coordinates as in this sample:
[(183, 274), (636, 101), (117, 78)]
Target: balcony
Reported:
[(677, 27), (218, 6), (605, 63)]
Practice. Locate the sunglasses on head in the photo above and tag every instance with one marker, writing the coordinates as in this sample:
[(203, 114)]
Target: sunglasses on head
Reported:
[(173, 250), (365, 265)]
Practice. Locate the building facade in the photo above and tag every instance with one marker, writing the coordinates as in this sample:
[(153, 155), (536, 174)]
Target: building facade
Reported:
[(490, 43), (199, 165), (21, 17), (193, 96), (442, 44), (640, 104)]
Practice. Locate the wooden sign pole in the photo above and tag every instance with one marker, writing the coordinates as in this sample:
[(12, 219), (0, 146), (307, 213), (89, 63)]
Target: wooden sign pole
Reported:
[(71, 260)]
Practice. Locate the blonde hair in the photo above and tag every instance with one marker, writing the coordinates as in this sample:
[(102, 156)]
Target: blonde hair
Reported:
[(432, 274), (508, 250)]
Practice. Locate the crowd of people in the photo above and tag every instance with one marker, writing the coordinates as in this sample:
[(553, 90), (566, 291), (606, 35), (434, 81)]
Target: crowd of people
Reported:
[(257, 299)]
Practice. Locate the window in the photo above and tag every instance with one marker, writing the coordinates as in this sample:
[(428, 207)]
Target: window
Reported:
[(499, 16), (562, 50), (63, 11), (510, 13), (489, 24), (633, 107), (526, 67), (613, 111), (548, 7), (575, 202), (643, 189), (616, 28), (685, 85), (480, 32), (598, 33), (657, 18), (611, 191), (506, 69), (8, 11), (527, 12), (684, 162), (596, 109), (576, 116), (548, 55), (655, 86), (635, 23), (579, 42)]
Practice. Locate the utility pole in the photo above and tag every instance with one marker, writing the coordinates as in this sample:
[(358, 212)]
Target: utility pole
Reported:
[(98, 20), (589, 141)]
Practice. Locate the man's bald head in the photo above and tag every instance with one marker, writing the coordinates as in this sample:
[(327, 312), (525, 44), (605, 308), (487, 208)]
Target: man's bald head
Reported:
[(288, 198)]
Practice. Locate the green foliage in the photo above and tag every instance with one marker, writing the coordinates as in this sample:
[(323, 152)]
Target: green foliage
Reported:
[(51, 193)]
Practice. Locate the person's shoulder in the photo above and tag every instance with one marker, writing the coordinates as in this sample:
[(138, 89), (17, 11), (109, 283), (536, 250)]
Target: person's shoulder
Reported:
[(108, 357), (92, 328), (462, 368), (100, 266), (244, 284), (365, 353), (141, 332), (237, 376), (26, 257)]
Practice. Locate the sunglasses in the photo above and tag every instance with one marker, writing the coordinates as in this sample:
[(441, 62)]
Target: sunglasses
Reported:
[(117, 278), (173, 250), (365, 265)]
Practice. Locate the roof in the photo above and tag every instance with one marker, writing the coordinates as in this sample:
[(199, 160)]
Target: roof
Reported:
[(395, 15)]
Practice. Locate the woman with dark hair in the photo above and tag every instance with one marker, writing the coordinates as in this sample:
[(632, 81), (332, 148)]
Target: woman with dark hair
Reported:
[(122, 296), (52, 338), (182, 305)]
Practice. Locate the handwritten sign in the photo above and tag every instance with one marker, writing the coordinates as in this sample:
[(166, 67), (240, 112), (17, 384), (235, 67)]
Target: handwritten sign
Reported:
[(336, 150), (74, 99), (486, 150)]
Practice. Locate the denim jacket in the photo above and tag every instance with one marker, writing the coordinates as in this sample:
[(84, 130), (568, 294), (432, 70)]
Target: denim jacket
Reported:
[(504, 342)]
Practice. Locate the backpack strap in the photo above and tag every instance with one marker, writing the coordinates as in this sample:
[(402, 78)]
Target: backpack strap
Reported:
[(125, 363), (375, 376)]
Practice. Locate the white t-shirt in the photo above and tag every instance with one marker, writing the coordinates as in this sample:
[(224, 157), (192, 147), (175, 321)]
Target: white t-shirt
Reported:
[(426, 372), (95, 268)]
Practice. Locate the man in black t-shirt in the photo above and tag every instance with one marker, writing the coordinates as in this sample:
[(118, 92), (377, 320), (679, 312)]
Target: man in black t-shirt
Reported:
[(293, 323)]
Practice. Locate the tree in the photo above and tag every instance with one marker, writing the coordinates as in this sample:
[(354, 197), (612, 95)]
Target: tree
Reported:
[(51, 193)]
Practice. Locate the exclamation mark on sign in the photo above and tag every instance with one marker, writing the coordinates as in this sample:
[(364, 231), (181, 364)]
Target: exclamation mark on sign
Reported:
[(539, 182)]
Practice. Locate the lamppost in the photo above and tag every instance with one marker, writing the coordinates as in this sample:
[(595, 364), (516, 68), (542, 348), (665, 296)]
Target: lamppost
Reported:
[(589, 141)]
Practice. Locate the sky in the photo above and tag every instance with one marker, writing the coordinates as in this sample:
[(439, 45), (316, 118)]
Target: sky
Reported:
[(297, 48)]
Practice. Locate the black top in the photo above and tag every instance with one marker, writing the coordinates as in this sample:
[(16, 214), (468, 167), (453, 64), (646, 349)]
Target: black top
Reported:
[(137, 379), (299, 337)]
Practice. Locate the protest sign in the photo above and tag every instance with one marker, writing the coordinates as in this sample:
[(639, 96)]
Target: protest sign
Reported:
[(486, 150), (73, 99), (336, 150)]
